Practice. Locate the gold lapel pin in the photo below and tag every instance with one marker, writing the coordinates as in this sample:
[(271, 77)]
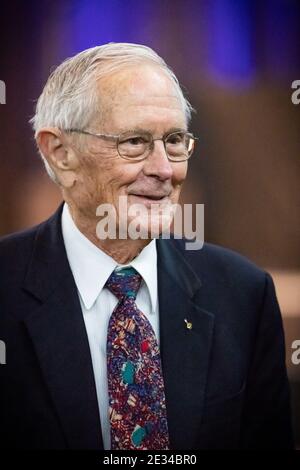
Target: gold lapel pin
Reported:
[(189, 324)]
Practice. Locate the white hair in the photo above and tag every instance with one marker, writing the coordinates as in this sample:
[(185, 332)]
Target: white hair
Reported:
[(70, 99)]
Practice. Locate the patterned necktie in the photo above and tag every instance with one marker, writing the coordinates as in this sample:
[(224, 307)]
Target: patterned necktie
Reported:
[(137, 406)]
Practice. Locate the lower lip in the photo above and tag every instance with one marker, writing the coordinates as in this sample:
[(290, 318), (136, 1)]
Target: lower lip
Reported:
[(146, 201)]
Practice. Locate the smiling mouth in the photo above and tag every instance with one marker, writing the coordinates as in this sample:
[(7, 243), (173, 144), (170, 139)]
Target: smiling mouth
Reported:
[(151, 197)]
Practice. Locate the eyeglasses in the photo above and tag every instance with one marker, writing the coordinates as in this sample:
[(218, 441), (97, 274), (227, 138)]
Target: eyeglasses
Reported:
[(137, 146)]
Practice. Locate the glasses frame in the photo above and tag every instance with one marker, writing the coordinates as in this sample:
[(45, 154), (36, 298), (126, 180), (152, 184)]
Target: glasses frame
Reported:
[(116, 138)]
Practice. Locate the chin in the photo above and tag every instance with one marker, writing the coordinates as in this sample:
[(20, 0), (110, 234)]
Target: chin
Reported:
[(149, 227)]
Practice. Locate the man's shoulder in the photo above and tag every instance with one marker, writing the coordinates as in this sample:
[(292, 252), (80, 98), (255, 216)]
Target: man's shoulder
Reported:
[(18, 242), (218, 261), (16, 252), (227, 278)]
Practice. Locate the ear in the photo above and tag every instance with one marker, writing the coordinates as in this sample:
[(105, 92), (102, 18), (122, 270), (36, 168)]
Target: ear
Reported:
[(61, 158)]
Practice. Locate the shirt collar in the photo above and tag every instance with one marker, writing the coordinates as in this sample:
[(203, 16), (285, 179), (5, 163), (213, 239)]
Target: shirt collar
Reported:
[(91, 267)]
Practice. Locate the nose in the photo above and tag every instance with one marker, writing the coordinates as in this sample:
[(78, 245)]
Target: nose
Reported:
[(157, 163)]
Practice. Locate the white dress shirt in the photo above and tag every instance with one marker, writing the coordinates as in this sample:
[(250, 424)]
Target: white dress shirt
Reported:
[(91, 268)]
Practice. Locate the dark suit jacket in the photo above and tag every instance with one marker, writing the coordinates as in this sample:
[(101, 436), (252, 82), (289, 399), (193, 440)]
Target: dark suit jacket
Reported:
[(225, 379)]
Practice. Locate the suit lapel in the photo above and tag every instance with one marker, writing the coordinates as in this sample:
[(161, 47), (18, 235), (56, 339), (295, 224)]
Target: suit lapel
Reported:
[(59, 336), (185, 352)]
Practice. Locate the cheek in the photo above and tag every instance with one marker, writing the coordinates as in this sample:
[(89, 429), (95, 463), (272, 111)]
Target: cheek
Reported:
[(94, 180), (99, 169), (125, 173), (110, 177), (179, 173)]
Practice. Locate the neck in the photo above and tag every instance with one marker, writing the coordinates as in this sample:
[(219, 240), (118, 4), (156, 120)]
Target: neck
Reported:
[(122, 251)]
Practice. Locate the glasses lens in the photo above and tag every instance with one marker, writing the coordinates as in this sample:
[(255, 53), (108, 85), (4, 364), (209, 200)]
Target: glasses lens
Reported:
[(179, 145), (134, 145)]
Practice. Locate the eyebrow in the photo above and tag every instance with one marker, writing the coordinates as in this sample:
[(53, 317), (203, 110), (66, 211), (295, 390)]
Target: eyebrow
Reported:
[(140, 130)]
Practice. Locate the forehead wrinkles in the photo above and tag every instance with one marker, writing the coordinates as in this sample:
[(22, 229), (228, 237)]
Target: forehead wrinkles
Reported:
[(148, 88), (132, 86)]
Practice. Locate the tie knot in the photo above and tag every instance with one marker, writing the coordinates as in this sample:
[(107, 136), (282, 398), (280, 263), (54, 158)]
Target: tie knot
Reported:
[(124, 282)]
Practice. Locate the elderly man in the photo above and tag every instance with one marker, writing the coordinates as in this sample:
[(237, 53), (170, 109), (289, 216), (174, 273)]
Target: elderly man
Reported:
[(131, 342)]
